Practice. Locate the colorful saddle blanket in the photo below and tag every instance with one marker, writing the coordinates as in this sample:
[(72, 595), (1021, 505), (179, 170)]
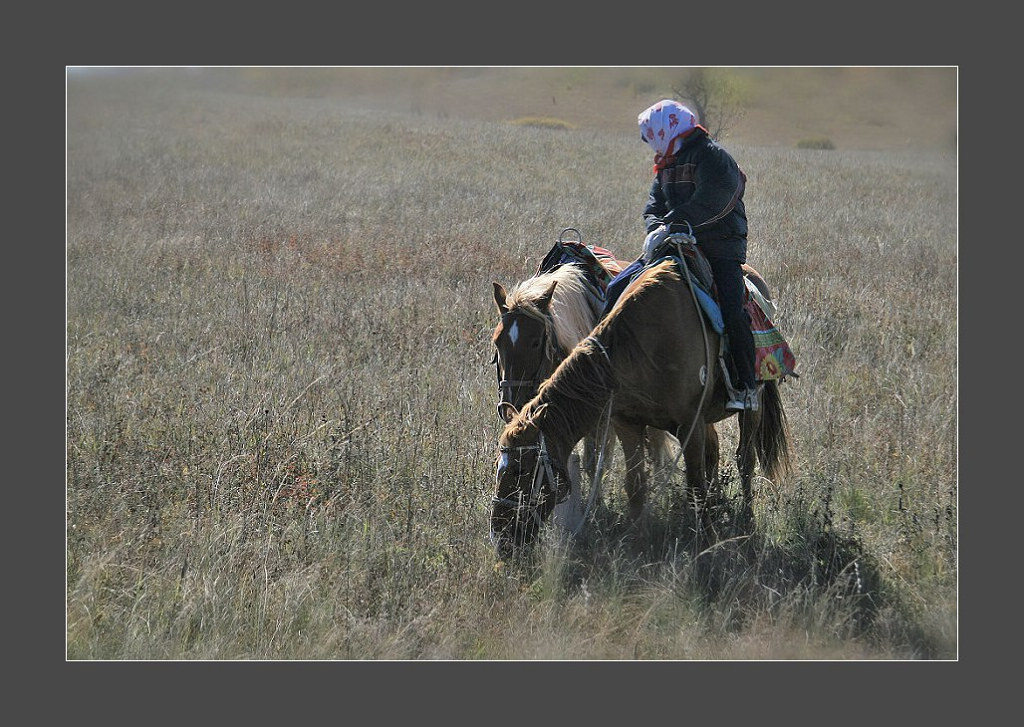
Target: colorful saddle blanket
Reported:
[(773, 358)]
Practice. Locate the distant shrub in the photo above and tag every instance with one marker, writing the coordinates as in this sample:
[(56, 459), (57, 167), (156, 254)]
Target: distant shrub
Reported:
[(543, 122), (817, 142)]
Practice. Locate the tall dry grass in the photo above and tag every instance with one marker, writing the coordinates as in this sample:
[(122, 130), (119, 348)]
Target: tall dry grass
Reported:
[(280, 406)]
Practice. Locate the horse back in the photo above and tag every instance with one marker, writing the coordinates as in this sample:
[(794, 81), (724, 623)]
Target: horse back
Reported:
[(660, 339)]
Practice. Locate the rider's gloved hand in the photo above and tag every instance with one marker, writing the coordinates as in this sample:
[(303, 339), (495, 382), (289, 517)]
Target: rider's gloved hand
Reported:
[(655, 239)]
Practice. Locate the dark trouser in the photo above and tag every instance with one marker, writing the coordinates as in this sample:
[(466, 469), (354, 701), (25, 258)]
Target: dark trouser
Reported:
[(725, 259)]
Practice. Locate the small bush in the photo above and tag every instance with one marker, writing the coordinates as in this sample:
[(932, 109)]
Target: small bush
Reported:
[(817, 142), (543, 122)]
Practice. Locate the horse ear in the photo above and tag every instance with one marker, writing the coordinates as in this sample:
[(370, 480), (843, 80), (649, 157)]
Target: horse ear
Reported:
[(499, 297), (537, 411), (507, 411), (544, 300)]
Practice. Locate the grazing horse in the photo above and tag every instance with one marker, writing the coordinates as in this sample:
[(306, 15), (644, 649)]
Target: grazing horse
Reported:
[(542, 320), (651, 362)]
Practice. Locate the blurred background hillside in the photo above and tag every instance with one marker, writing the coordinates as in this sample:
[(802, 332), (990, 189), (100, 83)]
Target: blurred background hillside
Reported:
[(880, 108)]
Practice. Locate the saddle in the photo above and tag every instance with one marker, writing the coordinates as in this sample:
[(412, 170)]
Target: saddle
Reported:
[(773, 358), (599, 265)]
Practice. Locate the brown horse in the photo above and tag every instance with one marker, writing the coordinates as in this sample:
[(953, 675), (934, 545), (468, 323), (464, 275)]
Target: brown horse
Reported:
[(542, 320), (651, 362)]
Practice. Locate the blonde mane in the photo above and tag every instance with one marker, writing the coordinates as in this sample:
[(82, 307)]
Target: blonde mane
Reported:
[(574, 308)]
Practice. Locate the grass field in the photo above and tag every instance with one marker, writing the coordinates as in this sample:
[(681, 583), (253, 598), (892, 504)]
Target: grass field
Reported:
[(280, 403)]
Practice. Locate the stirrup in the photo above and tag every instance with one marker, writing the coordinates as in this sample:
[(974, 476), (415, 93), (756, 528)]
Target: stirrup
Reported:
[(746, 400)]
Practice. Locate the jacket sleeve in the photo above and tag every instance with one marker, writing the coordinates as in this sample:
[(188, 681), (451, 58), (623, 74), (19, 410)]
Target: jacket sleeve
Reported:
[(656, 208), (718, 186)]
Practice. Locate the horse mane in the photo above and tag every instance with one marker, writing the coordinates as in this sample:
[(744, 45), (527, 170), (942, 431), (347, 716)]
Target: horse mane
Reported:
[(579, 389), (583, 382), (573, 311)]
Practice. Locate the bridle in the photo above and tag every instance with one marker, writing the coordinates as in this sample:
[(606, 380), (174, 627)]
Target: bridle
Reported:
[(541, 467), (507, 385)]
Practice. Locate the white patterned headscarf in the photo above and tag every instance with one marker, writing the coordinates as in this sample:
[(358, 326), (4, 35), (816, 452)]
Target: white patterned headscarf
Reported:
[(662, 124)]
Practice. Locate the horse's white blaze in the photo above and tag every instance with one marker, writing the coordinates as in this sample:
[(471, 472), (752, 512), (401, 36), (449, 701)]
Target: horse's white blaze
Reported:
[(513, 332)]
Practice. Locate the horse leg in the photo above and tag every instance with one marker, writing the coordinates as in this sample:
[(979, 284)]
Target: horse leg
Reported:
[(596, 452), (632, 440), (590, 455), (695, 456), (711, 455), (658, 454), (568, 515)]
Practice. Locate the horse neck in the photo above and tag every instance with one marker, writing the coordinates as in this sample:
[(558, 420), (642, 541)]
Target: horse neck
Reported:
[(577, 395)]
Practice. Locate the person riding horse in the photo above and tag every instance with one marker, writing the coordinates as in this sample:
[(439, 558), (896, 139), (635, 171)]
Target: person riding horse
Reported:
[(698, 185)]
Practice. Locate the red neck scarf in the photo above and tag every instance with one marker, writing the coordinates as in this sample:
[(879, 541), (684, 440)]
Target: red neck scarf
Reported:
[(661, 161)]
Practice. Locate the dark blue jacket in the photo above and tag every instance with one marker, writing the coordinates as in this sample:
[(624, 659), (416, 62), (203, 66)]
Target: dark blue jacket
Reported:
[(703, 186)]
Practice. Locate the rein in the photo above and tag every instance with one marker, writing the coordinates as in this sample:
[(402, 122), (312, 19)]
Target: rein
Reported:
[(600, 347), (595, 486), (683, 240)]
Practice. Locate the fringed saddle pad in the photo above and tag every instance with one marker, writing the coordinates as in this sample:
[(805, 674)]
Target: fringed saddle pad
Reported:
[(773, 358)]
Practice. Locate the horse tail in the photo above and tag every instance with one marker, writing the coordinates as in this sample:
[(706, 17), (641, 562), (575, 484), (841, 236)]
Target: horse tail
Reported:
[(772, 434)]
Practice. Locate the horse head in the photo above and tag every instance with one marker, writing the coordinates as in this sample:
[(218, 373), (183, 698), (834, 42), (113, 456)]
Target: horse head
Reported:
[(525, 352), (531, 478)]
